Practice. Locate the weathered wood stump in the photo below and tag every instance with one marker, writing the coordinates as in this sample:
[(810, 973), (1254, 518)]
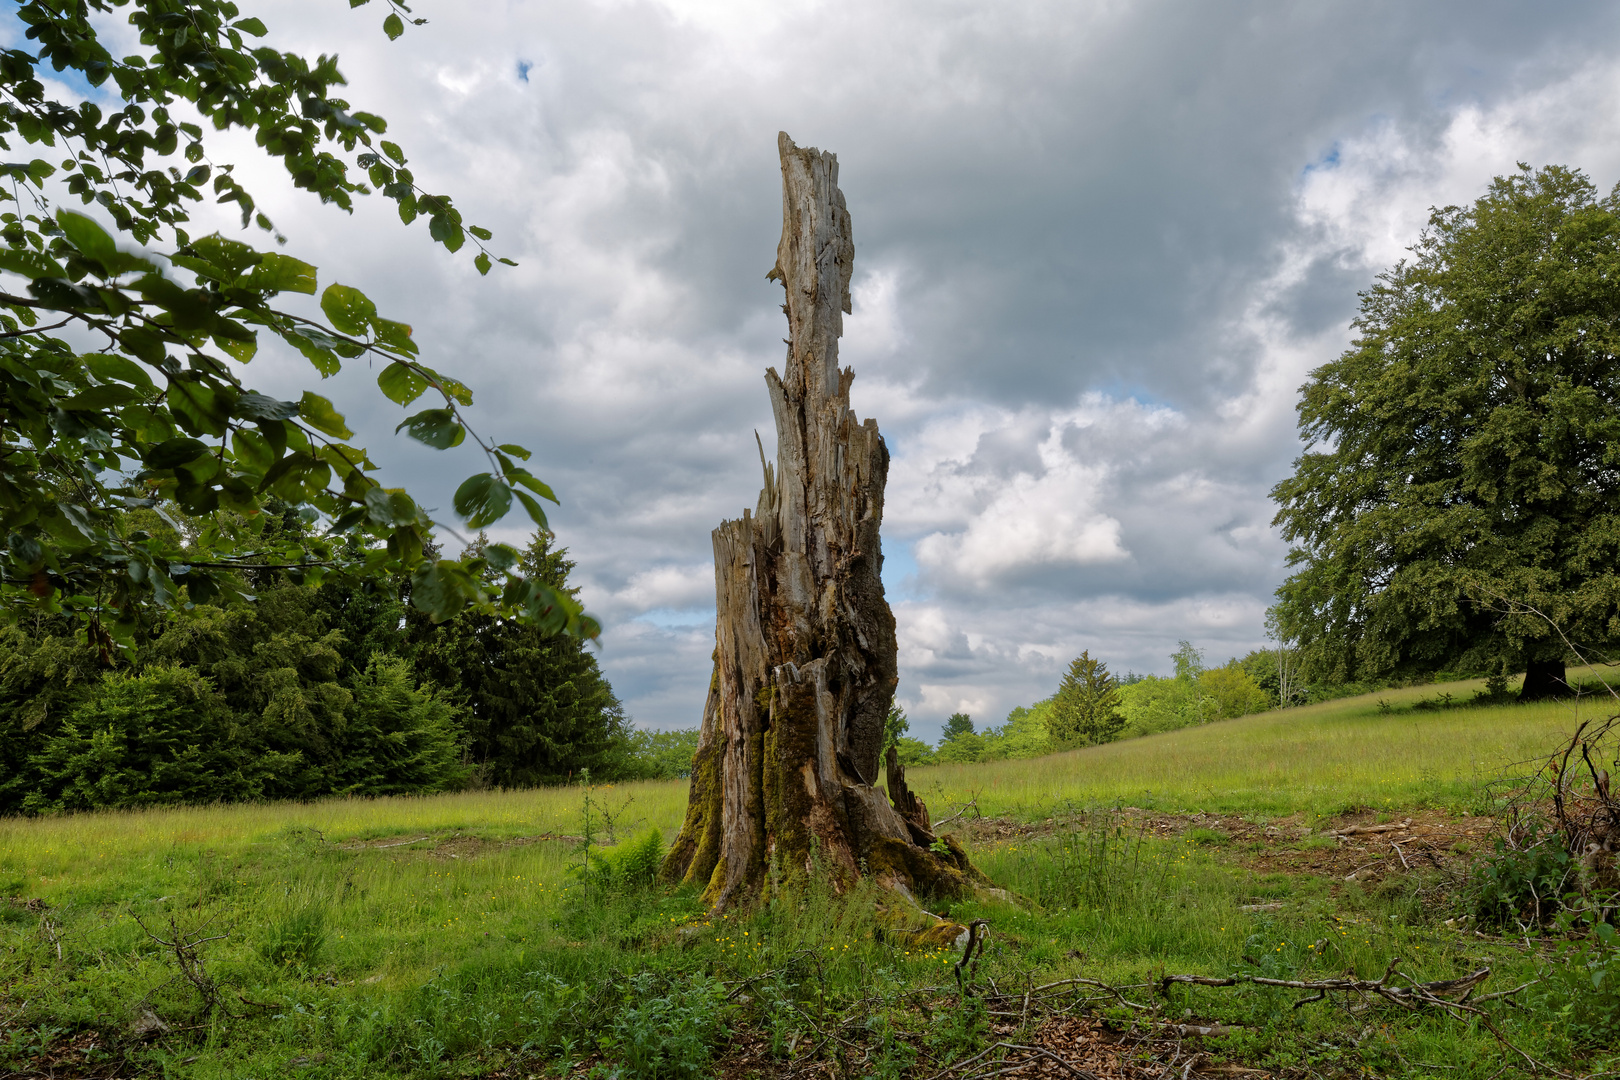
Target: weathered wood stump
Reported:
[(804, 661)]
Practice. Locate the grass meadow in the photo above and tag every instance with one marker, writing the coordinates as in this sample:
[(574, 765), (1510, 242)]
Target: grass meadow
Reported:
[(453, 936)]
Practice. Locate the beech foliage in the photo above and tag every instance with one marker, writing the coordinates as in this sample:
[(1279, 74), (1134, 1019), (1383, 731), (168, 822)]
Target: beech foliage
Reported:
[(124, 333)]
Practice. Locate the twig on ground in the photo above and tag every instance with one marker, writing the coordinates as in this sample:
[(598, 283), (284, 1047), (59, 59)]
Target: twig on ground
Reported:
[(971, 804)]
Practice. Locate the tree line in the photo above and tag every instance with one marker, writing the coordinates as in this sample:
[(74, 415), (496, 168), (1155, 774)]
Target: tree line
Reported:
[(1093, 706), (338, 688)]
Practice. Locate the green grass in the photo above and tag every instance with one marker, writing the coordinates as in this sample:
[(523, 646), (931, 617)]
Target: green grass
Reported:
[(1317, 759), (475, 947)]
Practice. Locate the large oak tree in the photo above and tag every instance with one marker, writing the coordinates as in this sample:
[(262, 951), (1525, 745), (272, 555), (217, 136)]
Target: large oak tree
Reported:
[(1458, 506)]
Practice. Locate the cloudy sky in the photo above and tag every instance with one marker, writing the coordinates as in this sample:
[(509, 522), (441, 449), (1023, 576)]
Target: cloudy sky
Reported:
[(1099, 246)]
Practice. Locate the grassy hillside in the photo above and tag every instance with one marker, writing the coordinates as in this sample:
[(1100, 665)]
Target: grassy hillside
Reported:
[(1319, 759), (421, 937), (1360, 751)]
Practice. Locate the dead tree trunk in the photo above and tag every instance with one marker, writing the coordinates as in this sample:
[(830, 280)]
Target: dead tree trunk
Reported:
[(805, 664)]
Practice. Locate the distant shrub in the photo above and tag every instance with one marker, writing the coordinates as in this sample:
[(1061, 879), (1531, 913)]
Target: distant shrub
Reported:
[(398, 737), (1086, 708), (966, 747), (1153, 704), (1230, 692), (659, 755), (914, 751)]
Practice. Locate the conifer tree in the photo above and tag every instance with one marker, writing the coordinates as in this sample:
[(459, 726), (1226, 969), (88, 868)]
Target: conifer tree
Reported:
[(1086, 709), (540, 708)]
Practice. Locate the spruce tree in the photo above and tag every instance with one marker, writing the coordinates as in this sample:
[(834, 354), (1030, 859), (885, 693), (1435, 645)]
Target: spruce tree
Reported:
[(539, 707), (1086, 709)]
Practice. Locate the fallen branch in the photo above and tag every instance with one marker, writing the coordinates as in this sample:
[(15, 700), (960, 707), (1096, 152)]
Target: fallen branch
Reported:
[(1416, 994), (965, 968), (971, 804), (1360, 830), (1413, 996)]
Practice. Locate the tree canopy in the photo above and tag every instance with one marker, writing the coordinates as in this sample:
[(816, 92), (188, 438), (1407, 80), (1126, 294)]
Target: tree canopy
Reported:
[(1457, 505), (123, 335)]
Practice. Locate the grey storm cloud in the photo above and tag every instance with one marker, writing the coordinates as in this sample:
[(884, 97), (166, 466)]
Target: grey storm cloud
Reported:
[(1098, 248)]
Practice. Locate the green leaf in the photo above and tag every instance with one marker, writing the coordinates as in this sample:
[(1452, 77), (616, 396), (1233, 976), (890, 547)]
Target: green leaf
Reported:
[(291, 467), (250, 26), (444, 229), (30, 264), (255, 406), (401, 383), (199, 407), (89, 237), (318, 413), (395, 334), (439, 589), (481, 261), (145, 344), (502, 557), (480, 232), (536, 513), (237, 347), (253, 451), (282, 273), (109, 367), (519, 475), (515, 450), (390, 506), (174, 452), (348, 309), (99, 398), (393, 26), (317, 347), (64, 295), (393, 151), (482, 500), (452, 389), (436, 427), (231, 257)]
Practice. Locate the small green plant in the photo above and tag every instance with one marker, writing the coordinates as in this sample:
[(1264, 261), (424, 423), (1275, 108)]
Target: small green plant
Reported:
[(668, 1035), (1580, 984), (959, 1031), (295, 941), (1521, 886), (632, 865), (1205, 837)]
